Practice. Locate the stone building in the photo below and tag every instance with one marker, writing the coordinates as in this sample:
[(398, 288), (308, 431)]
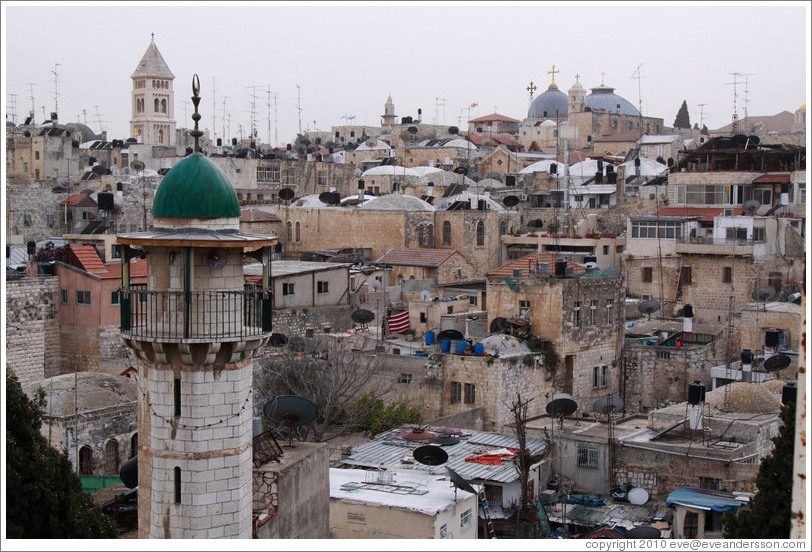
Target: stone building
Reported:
[(442, 265), (153, 99)]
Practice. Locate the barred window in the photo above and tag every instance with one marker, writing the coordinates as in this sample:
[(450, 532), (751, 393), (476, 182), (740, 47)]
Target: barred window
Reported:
[(405, 378), (322, 178), (664, 355), (465, 518), (593, 312), (647, 274), (576, 313), (599, 376), (587, 457), (456, 392), (268, 174), (353, 517), (470, 393)]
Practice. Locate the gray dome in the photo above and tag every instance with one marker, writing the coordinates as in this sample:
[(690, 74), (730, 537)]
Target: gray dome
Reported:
[(87, 133), (604, 97), (546, 105), (396, 202)]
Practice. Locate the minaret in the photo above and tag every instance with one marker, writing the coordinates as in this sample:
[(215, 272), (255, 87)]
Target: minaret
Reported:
[(195, 329), (576, 97), (388, 119), (153, 100)]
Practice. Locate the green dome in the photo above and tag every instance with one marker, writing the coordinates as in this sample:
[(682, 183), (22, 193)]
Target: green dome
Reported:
[(196, 188)]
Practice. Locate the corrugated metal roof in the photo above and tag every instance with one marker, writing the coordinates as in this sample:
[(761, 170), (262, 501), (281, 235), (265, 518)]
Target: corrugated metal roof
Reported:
[(390, 449), (651, 327), (706, 500), (525, 263), (401, 256)]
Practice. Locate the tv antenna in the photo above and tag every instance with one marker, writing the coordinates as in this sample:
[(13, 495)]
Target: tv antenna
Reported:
[(746, 100), (98, 119), (225, 136), (275, 139), (56, 88), (253, 96), (33, 107), (437, 103), (213, 112), (299, 105), (735, 83), (701, 115), (13, 105), (639, 77)]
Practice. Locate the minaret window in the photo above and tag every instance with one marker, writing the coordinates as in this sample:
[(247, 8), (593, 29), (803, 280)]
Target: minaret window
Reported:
[(480, 233), (161, 136), (177, 397), (446, 233), (163, 106), (156, 105), (177, 485), (298, 232)]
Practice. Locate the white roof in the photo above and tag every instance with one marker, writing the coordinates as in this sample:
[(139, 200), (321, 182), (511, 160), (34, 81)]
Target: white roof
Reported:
[(396, 202), (595, 189), (539, 166), (468, 196), (586, 168), (379, 145), (547, 123), (393, 170), (659, 139), (311, 201), (350, 485), (459, 143), (423, 171), (648, 167)]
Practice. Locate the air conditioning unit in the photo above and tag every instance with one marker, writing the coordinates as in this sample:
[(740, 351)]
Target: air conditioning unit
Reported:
[(523, 197)]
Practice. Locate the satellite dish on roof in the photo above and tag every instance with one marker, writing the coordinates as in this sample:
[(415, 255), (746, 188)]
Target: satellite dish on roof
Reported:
[(358, 172), (561, 405), (511, 201), (330, 198), (450, 334), (591, 265), (412, 130), (607, 405), (763, 293), (643, 532), (376, 285), (278, 340), (129, 472), (638, 496), (777, 362), (418, 434), (648, 306), (750, 206), (445, 439), (459, 481), (362, 316), (453, 130), (425, 295), (216, 258), (498, 324), (137, 165), (286, 194), (461, 170), (290, 410), (430, 455)]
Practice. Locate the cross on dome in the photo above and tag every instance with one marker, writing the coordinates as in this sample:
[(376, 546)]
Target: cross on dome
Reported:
[(553, 72)]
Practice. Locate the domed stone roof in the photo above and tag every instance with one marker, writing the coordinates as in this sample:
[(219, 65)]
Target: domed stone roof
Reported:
[(548, 103), (604, 97), (396, 202), (196, 188)]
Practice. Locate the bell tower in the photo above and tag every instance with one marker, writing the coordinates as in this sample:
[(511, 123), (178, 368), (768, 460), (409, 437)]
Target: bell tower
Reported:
[(195, 329), (153, 100)]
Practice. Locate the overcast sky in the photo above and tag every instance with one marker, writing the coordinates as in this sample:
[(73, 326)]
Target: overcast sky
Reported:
[(347, 58)]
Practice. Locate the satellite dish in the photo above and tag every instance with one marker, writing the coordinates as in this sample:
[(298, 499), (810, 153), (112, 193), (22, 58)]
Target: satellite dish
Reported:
[(430, 455), (412, 130), (638, 496), (763, 293), (290, 410), (362, 316), (445, 439), (459, 481), (450, 334), (137, 165), (498, 324), (129, 472), (590, 265), (453, 130), (461, 170), (278, 340), (777, 362), (643, 532), (561, 405), (425, 295), (418, 434), (750, 206), (376, 285), (648, 306), (217, 258), (98, 170), (286, 194), (330, 198), (511, 201), (607, 405), (795, 297)]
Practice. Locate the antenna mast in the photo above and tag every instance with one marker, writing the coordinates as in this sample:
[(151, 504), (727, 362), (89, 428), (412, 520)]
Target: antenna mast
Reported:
[(253, 96), (701, 116), (299, 105), (639, 98), (213, 112), (439, 101), (225, 136), (98, 119), (56, 89), (13, 105), (33, 107), (735, 83), (746, 100)]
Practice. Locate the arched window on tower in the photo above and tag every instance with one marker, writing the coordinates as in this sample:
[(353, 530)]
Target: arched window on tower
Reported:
[(290, 231), (298, 232), (160, 136), (163, 106), (447, 233), (502, 228), (480, 233), (157, 105)]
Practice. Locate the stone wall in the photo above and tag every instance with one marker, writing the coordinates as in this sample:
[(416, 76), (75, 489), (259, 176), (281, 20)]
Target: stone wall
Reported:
[(32, 327), (293, 322)]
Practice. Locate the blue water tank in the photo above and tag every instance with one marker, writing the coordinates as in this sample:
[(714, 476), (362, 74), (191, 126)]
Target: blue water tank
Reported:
[(461, 346), (479, 349), (429, 338), (445, 346)]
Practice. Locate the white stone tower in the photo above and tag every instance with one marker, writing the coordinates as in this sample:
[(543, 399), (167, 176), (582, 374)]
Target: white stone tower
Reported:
[(576, 97), (153, 100), (195, 329), (388, 119)]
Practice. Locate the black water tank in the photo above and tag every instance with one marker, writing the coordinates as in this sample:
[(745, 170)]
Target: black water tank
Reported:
[(560, 268), (119, 186), (32, 247), (688, 311), (771, 338), (747, 356), (789, 393), (106, 201), (696, 392), (599, 177), (785, 187), (219, 141), (129, 472), (611, 177), (553, 168), (636, 161), (510, 180)]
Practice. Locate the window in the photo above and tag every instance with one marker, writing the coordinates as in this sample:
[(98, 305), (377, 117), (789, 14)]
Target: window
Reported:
[(470, 393), (405, 378), (502, 228), (690, 525), (524, 306), (111, 457), (760, 235), (493, 494), (605, 249), (446, 233), (775, 281), (423, 317), (610, 306), (82, 297), (465, 518), (177, 485), (703, 194), (36, 155), (64, 296), (456, 392), (472, 299), (664, 355), (115, 300), (710, 483), (322, 287), (322, 178), (290, 231), (163, 106), (593, 312), (287, 288), (27, 218), (444, 531), (267, 174), (177, 397), (298, 232), (685, 275), (648, 229), (480, 233), (156, 105), (587, 457), (86, 461), (727, 274), (599, 376), (647, 275), (576, 314), (290, 176)]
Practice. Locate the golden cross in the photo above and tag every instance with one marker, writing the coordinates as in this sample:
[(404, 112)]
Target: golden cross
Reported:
[(602, 79), (532, 88), (553, 72)]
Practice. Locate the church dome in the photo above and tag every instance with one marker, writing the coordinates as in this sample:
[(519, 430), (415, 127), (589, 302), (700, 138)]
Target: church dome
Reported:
[(604, 97), (551, 103), (196, 188)]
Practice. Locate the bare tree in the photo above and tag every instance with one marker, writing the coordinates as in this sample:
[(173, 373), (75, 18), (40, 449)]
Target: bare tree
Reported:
[(332, 376)]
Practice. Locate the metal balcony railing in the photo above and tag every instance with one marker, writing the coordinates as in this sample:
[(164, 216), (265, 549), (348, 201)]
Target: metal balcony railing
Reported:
[(194, 316), (701, 240)]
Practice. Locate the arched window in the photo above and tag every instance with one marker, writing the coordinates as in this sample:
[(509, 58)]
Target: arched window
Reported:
[(134, 444), (290, 231), (298, 232), (163, 106), (157, 105), (111, 459), (425, 235), (160, 136), (480, 233), (85, 460), (447, 233)]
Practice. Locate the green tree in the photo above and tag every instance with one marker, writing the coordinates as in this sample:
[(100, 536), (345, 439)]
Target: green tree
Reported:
[(371, 414), (44, 497), (683, 120), (768, 515)]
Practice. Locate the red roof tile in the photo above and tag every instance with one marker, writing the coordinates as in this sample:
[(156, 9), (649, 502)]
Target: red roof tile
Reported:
[(76, 199), (88, 258), (707, 213), (138, 269), (493, 117), (402, 256), (529, 261), (772, 179)]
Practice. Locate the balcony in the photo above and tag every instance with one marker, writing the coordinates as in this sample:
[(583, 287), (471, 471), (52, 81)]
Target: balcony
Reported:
[(699, 245), (195, 316)]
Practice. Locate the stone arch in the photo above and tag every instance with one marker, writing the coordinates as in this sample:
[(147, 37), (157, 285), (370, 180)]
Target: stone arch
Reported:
[(86, 460), (480, 233), (447, 232), (112, 460)]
